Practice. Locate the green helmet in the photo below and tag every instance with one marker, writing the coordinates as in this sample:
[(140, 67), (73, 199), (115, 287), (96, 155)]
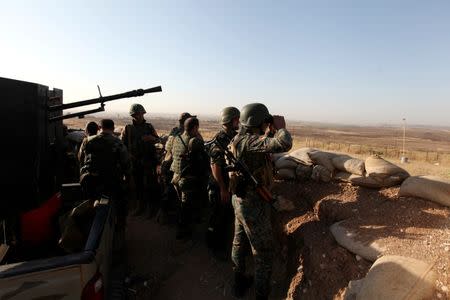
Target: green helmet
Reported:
[(137, 108), (254, 114), (229, 113)]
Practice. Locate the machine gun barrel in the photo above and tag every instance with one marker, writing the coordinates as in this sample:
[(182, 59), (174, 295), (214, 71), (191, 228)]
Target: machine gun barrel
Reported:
[(134, 93)]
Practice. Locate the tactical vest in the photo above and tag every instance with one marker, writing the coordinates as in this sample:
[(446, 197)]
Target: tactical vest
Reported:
[(258, 163), (142, 153), (180, 151)]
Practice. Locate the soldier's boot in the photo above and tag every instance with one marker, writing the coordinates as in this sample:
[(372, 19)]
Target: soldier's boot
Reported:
[(241, 284)]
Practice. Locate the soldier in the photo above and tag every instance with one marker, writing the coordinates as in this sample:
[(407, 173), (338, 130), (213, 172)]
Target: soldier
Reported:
[(105, 170), (222, 217), (169, 195), (140, 138), (252, 215), (190, 165), (90, 130)]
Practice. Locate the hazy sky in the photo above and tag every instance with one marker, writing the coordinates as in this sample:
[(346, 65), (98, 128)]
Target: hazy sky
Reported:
[(336, 61)]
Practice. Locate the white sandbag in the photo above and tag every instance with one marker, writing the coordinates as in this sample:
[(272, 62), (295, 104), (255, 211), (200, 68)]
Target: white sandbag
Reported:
[(384, 172), (430, 188), (357, 180), (323, 158), (277, 156), (349, 164), (285, 174), (320, 173), (303, 172), (302, 156), (398, 277), (348, 239), (285, 163)]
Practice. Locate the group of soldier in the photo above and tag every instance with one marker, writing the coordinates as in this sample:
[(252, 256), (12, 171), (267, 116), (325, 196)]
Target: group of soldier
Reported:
[(192, 171)]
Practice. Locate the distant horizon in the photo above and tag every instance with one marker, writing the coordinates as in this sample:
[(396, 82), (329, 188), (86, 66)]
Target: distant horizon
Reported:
[(212, 117)]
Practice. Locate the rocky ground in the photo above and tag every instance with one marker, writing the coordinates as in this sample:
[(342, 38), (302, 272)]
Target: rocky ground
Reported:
[(309, 263)]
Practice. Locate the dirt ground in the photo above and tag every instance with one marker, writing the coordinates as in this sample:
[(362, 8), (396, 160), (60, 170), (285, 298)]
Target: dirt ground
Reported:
[(309, 263)]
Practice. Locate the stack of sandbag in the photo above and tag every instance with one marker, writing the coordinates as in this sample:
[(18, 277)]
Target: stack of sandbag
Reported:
[(302, 156), (395, 277), (385, 173), (345, 163), (296, 164), (430, 188), (323, 166), (320, 173), (285, 168), (378, 172), (303, 172)]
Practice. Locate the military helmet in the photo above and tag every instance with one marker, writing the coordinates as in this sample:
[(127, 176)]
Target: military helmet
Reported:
[(190, 123), (229, 113), (137, 108), (254, 114), (184, 116)]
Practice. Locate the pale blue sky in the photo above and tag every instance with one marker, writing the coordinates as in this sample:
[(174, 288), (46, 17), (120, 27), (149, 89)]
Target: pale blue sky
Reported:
[(336, 61)]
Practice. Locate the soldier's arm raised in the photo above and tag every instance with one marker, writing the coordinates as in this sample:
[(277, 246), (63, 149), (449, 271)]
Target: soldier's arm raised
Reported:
[(281, 142)]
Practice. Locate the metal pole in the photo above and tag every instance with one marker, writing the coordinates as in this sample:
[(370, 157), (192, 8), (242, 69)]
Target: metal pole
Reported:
[(404, 135)]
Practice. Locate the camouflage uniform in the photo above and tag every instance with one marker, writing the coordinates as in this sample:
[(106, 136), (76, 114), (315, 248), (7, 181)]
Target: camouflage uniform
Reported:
[(144, 163), (222, 215), (252, 214), (189, 167), (166, 173), (105, 157)]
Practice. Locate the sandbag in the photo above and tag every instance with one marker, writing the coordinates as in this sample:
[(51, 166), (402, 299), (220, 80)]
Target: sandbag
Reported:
[(302, 156), (357, 180), (398, 277), (343, 176), (303, 172), (285, 174), (323, 158), (430, 188), (285, 163), (348, 239), (349, 164), (320, 173), (384, 172), (277, 156)]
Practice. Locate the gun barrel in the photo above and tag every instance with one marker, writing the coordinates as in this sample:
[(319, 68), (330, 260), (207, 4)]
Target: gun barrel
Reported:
[(134, 93)]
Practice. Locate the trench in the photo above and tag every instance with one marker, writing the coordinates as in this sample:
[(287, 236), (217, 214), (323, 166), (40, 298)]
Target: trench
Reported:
[(308, 263)]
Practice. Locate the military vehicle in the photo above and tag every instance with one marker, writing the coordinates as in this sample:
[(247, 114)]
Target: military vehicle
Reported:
[(36, 194)]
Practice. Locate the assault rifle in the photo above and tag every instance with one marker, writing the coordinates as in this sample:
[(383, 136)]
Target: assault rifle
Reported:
[(240, 166)]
